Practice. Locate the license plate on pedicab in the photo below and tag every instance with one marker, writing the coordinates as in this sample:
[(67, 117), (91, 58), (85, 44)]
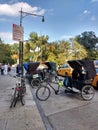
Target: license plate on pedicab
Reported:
[(35, 76)]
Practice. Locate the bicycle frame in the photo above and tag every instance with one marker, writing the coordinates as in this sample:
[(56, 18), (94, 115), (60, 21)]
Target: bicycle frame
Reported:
[(19, 91), (43, 92), (59, 84)]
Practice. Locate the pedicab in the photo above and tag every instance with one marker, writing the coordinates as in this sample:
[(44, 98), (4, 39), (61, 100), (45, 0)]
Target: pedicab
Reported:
[(81, 79), (37, 71)]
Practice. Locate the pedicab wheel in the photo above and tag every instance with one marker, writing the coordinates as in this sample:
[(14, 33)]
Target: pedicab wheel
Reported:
[(43, 93), (87, 92), (35, 83)]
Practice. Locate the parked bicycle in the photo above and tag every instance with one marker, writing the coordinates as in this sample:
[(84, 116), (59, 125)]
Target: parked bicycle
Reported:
[(19, 91), (43, 92)]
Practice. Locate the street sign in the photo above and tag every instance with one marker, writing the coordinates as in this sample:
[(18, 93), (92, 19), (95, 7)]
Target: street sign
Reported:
[(17, 32)]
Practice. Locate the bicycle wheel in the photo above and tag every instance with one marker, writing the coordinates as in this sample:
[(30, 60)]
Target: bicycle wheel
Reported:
[(13, 98), (21, 95), (22, 100), (87, 92), (43, 93), (35, 83), (16, 99), (24, 90)]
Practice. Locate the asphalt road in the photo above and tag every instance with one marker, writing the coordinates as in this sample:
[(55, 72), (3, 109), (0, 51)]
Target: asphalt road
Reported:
[(68, 111)]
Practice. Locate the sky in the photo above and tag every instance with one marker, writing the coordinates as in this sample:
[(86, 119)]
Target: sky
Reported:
[(64, 19)]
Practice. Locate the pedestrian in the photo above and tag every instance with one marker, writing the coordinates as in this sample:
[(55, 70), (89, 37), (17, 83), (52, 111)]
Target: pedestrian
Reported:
[(2, 69), (18, 70), (9, 68), (5, 69)]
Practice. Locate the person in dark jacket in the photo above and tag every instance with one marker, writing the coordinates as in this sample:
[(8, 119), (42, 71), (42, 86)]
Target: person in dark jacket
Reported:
[(2, 69)]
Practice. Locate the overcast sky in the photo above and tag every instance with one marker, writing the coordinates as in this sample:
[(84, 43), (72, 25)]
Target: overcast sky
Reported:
[(63, 18)]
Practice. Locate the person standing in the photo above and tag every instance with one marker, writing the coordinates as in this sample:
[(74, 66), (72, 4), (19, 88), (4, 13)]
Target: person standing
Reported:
[(9, 68), (2, 69), (5, 69)]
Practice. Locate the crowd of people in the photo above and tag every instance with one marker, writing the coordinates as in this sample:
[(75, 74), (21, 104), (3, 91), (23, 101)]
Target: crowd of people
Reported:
[(4, 68)]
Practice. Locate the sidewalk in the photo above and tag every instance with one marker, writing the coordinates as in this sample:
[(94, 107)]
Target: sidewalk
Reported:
[(25, 117)]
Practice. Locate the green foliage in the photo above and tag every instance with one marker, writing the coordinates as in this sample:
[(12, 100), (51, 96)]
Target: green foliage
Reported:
[(89, 41), (40, 49), (78, 51), (14, 48), (37, 48), (5, 53)]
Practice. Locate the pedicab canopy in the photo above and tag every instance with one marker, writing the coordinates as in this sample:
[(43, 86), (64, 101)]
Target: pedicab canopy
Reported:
[(88, 66), (51, 65), (32, 67)]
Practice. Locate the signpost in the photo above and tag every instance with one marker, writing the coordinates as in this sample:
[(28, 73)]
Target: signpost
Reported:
[(17, 32), (18, 35)]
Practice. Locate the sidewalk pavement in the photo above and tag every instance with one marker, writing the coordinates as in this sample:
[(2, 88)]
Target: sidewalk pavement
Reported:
[(25, 117)]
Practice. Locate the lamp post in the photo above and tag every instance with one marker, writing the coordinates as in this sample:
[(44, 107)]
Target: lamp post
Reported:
[(22, 15)]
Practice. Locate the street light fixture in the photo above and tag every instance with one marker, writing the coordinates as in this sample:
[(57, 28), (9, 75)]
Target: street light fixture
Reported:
[(22, 15), (26, 14)]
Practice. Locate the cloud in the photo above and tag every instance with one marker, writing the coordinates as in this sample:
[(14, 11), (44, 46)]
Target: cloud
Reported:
[(6, 36), (94, 0), (86, 12), (13, 9)]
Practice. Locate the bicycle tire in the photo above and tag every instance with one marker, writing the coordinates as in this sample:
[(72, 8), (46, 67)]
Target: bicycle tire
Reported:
[(43, 93), (35, 83), (12, 102), (22, 101), (16, 99), (13, 98), (22, 98), (24, 90), (87, 92), (19, 97)]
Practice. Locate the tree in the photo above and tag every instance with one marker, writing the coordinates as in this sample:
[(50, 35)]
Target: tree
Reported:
[(1, 41), (77, 51), (15, 51), (15, 48), (87, 39), (5, 53), (36, 47)]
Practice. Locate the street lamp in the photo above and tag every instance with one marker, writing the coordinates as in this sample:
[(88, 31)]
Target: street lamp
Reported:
[(22, 15)]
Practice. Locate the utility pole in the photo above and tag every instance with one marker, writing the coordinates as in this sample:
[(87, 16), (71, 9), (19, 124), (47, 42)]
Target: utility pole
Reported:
[(22, 15), (21, 47)]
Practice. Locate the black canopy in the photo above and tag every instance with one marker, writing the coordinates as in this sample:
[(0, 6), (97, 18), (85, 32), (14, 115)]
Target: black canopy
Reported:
[(88, 65)]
